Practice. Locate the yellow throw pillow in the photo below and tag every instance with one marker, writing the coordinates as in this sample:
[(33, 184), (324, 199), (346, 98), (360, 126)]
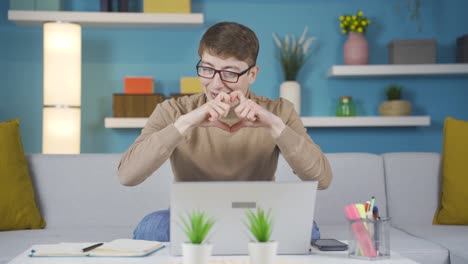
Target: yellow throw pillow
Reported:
[(18, 208), (453, 202)]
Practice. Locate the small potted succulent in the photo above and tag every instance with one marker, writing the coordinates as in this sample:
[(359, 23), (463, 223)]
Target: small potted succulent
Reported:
[(262, 250), (394, 106), (197, 227)]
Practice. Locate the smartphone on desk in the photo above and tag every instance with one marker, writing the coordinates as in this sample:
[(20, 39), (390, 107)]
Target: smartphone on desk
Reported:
[(329, 244)]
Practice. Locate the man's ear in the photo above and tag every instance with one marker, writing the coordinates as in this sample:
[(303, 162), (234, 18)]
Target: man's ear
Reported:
[(253, 74)]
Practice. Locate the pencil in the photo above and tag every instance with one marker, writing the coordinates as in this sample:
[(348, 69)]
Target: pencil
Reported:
[(86, 249)]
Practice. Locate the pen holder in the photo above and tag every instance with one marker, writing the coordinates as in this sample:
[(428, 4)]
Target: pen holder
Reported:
[(369, 239)]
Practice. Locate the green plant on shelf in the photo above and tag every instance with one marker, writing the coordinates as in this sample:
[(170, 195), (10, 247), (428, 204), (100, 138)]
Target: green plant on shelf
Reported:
[(394, 92), (293, 54)]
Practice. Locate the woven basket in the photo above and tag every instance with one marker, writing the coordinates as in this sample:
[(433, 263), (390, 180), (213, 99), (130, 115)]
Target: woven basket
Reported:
[(395, 108)]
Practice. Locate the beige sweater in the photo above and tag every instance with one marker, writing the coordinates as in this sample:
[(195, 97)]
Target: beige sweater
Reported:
[(212, 154)]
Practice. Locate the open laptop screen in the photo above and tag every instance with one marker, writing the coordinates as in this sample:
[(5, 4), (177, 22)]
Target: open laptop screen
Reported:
[(292, 207)]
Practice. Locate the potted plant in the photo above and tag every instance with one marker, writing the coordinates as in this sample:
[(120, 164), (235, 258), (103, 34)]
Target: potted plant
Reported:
[(394, 106), (261, 250), (196, 227), (293, 55), (356, 48)]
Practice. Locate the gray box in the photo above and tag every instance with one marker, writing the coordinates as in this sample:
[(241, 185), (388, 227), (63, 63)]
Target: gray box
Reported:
[(462, 49), (420, 51)]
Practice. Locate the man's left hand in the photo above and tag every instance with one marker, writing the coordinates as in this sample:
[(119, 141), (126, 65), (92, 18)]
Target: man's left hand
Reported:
[(253, 115)]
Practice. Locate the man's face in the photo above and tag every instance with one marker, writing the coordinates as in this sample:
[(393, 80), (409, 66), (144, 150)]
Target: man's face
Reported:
[(212, 87)]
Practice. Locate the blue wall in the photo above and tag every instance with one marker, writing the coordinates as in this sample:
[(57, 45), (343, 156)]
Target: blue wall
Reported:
[(168, 54)]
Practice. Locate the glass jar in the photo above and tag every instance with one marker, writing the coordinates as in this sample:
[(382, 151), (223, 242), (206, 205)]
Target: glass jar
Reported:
[(345, 107)]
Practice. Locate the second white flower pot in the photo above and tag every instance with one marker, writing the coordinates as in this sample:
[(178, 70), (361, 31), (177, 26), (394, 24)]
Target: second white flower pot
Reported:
[(263, 253), (196, 253), (291, 90)]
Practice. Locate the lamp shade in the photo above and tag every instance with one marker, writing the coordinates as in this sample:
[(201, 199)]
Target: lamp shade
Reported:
[(62, 64), (62, 89), (61, 130)]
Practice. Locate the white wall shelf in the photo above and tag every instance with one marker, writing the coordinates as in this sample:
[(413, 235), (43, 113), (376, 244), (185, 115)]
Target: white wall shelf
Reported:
[(106, 19), (125, 122), (321, 121), (366, 121), (346, 71)]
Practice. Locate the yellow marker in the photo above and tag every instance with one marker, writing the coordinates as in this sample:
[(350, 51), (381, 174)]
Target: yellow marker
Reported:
[(362, 213), (361, 210)]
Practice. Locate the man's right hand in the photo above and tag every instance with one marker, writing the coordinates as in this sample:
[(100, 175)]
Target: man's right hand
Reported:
[(207, 115)]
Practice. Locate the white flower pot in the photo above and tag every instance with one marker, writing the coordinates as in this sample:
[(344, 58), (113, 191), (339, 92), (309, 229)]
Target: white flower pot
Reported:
[(196, 253), (263, 253), (291, 90)]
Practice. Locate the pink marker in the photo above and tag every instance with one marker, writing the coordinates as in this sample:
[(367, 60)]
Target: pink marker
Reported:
[(360, 231)]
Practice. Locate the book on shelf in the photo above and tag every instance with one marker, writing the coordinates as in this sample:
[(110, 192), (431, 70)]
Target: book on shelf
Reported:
[(114, 248)]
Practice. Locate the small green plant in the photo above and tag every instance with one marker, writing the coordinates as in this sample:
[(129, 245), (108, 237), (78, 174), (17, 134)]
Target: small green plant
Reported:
[(393, 92), (260, 224), (197, 226), (293, 53)]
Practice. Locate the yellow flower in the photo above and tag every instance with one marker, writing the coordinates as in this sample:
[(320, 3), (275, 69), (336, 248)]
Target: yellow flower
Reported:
[(354, 22)]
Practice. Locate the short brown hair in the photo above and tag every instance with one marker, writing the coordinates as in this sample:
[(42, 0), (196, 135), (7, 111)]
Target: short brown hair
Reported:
[(230, 39)]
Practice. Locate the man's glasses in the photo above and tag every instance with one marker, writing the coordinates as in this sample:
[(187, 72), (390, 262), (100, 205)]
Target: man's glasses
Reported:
[(226, 76)]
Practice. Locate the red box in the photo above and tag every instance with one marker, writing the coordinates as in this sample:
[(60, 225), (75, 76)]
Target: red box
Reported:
[(138, 85)]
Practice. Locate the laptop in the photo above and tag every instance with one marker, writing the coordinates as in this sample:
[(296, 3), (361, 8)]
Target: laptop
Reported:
[(292, 207)]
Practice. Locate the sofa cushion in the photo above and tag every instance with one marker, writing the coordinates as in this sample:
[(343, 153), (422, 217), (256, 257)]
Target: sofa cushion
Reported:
[(410, 201), (453, 202), (18, 208), (452, 237), (84, 191), (356, 178)]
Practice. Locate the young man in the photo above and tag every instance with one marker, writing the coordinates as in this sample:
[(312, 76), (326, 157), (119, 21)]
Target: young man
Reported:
[(226, 133)]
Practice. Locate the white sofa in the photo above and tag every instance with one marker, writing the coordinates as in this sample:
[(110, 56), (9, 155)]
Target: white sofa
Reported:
[(81, 199)]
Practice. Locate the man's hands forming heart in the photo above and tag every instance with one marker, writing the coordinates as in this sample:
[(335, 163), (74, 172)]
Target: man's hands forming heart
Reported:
[(249, 112)]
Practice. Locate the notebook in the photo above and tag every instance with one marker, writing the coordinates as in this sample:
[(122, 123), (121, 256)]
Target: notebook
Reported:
[(292, 207), (115, 248)]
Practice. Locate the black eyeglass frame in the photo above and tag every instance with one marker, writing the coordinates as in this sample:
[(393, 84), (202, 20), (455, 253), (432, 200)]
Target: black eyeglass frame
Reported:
[(239, 74)]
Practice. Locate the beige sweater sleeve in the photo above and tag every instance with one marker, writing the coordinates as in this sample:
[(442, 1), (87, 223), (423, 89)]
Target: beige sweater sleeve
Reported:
[(152, 148), (302, 154)]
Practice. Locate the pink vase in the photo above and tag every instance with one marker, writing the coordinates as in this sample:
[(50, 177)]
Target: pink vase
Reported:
[(356, 49)]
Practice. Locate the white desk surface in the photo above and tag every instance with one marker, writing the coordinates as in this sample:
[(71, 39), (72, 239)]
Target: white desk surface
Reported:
[(163, 257)]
